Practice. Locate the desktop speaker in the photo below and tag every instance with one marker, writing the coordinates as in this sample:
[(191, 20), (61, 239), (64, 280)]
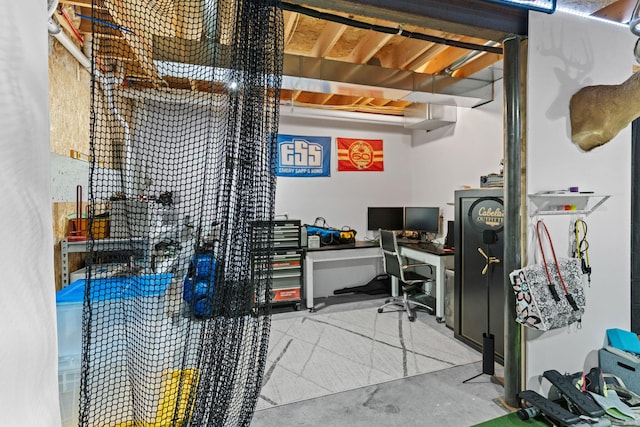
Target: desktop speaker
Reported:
[(449, 239)]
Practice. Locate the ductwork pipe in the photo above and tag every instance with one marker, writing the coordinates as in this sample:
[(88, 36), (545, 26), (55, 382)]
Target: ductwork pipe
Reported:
[(350, 116), (634, 22), (61, 36)]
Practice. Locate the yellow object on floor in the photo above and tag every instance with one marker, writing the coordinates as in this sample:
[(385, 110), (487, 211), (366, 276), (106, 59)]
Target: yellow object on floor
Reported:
[(175, 399)]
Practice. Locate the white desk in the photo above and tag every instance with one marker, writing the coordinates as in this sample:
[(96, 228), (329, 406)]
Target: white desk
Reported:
[(362, 250), (441, 261)]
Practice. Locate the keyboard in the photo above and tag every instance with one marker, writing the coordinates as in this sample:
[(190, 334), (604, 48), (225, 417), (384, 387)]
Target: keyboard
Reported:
[(430, 245)]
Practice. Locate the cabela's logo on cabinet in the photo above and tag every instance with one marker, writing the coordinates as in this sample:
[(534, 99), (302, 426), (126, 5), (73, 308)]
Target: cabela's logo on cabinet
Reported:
[(487, 213)]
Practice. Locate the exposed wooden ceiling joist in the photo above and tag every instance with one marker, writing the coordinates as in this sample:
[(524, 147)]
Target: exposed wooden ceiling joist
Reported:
[(126, 36)]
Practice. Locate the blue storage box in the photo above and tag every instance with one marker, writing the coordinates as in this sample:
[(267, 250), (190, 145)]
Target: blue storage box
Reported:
[(69, 302), (624, 340), (115, 288), (622, 364)]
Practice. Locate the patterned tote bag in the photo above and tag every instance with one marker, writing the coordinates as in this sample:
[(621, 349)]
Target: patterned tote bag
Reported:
[(549, 295)]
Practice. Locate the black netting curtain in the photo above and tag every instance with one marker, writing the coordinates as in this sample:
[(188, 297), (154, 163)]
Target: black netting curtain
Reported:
[(184, 122)]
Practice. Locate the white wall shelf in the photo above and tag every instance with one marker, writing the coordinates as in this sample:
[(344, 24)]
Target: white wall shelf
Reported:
[(554, 203)]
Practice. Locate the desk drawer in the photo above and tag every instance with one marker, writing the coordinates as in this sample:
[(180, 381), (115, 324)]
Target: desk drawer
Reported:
[(287, 294), (289, 281)]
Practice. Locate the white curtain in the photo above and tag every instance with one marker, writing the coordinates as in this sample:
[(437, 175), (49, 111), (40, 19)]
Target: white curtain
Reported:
[(28, 351)]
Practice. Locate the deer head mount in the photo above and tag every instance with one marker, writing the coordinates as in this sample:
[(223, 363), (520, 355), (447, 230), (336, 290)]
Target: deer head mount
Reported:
[(598, 113)]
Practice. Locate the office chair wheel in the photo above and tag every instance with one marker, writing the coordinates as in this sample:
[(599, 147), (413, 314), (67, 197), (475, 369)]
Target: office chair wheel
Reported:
[(412, 318), (379, 310)]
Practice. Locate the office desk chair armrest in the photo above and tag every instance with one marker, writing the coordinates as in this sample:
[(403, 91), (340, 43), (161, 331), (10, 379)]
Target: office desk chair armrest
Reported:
[(415, 265), (407, 266)]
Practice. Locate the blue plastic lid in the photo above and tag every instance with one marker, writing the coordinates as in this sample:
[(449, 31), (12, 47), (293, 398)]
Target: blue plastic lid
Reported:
[(624, 340), (115, 288)]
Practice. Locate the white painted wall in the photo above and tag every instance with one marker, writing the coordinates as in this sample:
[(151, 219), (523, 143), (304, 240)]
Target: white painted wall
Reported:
[(446, 159), (420, 169), (28, 354), (342, 198), (567, 52)]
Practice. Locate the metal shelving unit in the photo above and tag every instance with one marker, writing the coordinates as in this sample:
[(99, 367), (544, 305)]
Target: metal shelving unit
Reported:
[(102, 245)]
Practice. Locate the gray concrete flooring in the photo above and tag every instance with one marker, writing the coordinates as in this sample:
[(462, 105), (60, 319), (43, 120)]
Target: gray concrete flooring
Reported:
[(437, 398), (433, 399)]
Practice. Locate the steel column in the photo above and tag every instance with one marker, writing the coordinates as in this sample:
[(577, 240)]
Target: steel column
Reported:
[(515, 207)]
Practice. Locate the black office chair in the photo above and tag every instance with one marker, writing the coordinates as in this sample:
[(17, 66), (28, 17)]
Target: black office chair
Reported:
[(410, 281)]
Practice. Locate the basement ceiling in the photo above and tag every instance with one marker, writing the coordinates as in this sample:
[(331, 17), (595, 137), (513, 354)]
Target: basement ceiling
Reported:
[(349, 55)]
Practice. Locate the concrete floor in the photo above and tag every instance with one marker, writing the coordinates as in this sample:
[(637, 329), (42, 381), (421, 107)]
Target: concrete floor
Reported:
[(434, 399), (437, 398)]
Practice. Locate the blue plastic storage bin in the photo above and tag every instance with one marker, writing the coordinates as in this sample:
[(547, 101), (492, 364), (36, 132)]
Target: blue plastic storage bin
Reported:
[(69, 302), (69, 389), (115, 288)]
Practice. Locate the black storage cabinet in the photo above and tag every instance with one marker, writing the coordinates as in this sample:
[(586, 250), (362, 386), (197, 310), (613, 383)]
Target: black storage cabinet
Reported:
[(470, 285), (286, 262)]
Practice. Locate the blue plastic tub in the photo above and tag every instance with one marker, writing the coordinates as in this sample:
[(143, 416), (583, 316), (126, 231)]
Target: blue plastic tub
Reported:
[(115, 288), (69, 301)]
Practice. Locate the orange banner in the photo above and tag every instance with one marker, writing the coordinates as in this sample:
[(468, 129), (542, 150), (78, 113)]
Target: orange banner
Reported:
[(364, 155)]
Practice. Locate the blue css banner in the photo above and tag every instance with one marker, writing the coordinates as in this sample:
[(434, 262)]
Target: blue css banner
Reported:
[(304, 156)]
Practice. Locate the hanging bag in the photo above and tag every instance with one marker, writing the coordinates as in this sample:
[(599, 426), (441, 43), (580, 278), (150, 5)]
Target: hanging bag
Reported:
[(549, 295)]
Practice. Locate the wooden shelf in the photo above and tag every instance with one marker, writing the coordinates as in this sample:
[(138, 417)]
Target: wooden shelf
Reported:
[(553, 203)]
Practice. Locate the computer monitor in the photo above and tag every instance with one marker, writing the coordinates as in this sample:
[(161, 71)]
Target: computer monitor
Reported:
[(422, 219), (387, 218)]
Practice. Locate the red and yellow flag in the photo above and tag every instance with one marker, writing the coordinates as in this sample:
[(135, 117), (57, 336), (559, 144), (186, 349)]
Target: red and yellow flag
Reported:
[(360, 155)]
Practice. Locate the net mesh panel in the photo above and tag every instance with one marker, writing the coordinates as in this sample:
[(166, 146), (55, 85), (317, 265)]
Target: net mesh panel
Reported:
[(184, 122)]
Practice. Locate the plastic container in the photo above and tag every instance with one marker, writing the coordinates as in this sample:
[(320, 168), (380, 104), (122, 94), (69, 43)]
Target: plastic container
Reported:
[(69, 323), (69, 389), (69, 301)]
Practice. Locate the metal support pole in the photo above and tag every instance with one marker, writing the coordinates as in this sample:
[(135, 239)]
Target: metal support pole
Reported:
[(515, 207), (635, 225)]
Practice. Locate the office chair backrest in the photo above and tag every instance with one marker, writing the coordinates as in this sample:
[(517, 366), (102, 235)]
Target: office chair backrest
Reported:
[(389, 247)]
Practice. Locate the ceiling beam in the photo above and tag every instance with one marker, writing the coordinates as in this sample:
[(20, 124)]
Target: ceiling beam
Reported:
[(442, 61), (482, 61), (328, 39), (142, 48), (420, 63), (367, 47), (467, 17), (619, 11), (86, 3), (405, 53), (290, 23)]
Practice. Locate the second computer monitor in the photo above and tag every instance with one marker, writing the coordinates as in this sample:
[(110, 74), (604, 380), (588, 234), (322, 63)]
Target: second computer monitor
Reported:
[(422, 219), (387, 218)]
